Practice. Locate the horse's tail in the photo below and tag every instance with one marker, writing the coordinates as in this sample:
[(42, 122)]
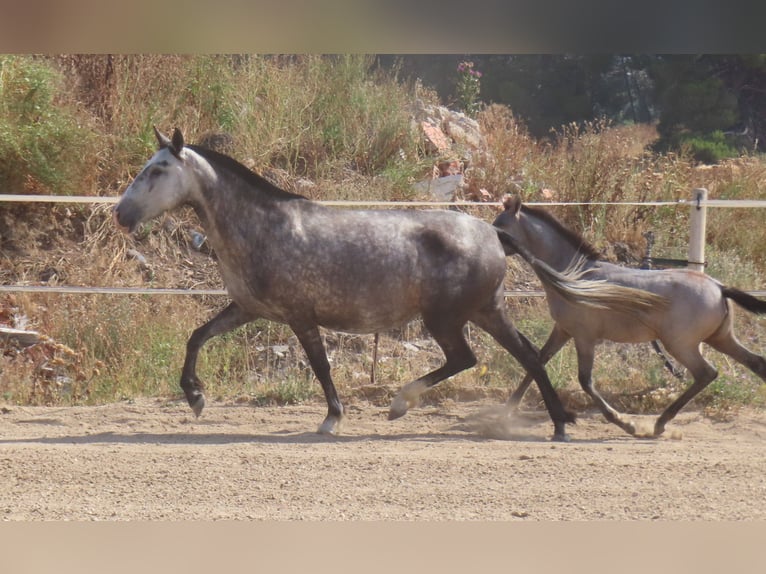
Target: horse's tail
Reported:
[(591, 293), (744, 300)]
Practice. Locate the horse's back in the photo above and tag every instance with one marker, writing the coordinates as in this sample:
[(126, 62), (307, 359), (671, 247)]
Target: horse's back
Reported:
[(695, 304), (369, 270), (676, 285)]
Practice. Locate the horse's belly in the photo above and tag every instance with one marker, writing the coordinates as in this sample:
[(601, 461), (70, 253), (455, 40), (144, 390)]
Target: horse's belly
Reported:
[(360, 312), (636, 334), (605, 326), (361, 318)]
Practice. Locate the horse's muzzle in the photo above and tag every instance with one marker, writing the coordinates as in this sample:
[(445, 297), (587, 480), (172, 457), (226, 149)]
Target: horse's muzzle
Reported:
[(125, 228)]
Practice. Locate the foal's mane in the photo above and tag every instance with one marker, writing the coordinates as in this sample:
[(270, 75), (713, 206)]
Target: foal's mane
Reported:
[(227, 163), (572, 237)]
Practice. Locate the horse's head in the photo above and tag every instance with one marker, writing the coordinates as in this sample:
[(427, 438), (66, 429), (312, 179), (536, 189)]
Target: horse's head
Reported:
[(163, 184)]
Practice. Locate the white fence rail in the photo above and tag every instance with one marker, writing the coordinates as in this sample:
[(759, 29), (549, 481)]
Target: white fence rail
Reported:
[(698, 205)]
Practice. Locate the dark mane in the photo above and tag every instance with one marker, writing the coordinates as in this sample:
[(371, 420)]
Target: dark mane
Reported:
[(230, 164), (572, 237)]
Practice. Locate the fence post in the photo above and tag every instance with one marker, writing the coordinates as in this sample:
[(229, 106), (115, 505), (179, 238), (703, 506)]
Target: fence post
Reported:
[(697, 232)]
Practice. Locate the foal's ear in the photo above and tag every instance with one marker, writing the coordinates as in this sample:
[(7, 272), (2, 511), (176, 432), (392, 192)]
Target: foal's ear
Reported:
[(512, 203)]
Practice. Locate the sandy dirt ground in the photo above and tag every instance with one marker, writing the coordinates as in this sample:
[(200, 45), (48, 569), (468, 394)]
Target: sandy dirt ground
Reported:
[(151, 460)]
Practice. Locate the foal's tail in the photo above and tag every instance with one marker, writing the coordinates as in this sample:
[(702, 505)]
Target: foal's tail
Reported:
[(744, 300), (590, 293)]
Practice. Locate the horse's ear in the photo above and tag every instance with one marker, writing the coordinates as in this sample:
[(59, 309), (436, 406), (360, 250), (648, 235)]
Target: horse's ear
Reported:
[(178, 142), (162, 139), (512, 203)]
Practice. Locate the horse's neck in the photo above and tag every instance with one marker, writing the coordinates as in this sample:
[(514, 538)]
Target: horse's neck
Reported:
[(236, 215), (547, 244)]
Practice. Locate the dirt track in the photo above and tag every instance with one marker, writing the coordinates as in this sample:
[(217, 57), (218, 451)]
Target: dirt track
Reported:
[(152, 460)]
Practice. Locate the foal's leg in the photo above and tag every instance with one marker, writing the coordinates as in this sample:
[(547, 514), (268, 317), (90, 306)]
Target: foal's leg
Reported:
[(494, 322), (703, 372), (311, 341), (459, 357), (728, 344), (228, 319), (556, 340), (585, 357)]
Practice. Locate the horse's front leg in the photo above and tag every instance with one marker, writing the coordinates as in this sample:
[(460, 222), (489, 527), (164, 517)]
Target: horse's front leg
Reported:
[(228, 319), (311, 341), (504, 332)]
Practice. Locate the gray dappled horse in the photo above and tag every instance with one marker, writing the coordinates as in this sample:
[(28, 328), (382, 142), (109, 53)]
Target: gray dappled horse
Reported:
[(697, 310), (294, 261)]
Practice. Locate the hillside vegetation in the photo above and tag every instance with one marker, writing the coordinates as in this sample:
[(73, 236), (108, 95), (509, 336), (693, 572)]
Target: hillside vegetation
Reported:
[(330, 128)]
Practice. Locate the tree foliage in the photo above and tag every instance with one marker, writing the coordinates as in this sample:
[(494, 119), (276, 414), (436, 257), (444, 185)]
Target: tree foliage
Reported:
[(711, 102)]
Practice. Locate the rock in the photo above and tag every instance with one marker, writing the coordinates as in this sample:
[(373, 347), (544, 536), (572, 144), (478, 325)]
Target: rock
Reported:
[(436, 140), (457, 139), (441, 188), (464, 131)]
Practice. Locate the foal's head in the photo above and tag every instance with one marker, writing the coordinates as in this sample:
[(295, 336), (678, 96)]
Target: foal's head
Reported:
[(538, 229), (164, 183), (509, 219)]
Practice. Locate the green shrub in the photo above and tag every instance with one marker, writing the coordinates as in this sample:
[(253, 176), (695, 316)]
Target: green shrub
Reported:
[(709, 148), (43, 145)]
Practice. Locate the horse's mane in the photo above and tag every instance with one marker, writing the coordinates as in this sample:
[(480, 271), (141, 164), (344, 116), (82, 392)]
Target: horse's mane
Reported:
[(572, 237), (222, 161)]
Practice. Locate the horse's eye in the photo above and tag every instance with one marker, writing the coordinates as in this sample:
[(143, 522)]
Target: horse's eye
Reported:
[(155, 173)]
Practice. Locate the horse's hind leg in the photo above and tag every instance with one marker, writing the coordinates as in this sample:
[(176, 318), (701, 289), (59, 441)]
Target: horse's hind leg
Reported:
[(703, 372), (459, 357), (556, 340), (585, 358), (311, 341), (494, 322), (228, 319), (726, 342)]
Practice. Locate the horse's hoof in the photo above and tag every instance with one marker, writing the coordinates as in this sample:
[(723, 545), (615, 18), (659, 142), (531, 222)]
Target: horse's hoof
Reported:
[(561, 437), (406, 398), (399, 407), (198, 405), (330, 426)]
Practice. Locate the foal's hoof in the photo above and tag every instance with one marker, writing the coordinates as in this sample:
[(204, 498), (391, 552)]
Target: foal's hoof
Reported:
[(198, 405)]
